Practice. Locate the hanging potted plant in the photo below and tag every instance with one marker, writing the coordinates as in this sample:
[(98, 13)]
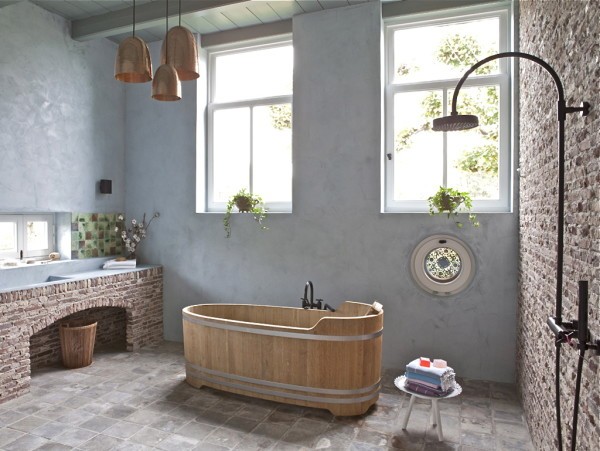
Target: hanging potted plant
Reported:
[(245, 203), (450, 201)]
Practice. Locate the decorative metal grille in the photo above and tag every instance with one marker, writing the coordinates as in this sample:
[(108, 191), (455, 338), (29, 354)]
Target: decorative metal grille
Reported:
[(443, 265)]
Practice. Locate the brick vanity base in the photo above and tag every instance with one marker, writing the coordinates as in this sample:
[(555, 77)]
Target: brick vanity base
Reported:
[(30, 314)]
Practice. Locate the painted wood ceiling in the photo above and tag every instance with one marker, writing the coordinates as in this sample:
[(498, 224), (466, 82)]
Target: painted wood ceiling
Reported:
[(112, 18)]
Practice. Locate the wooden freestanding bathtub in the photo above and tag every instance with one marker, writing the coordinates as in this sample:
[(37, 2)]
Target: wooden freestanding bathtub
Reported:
[(316, 358)]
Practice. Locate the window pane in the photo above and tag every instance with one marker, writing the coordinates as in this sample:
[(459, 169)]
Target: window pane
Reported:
[(8, 237), (254, 74), (231, 152), (438, 52), (272, 151), (418, 151), (473, 154), (37, 235)]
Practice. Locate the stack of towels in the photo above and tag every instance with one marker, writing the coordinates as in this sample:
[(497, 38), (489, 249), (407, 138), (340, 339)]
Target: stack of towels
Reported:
[(119, 263), (429, 378)]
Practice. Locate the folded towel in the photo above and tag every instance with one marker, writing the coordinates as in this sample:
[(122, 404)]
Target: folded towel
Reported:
[(446, 382), (427, 391), (119, 264), (428, 371)]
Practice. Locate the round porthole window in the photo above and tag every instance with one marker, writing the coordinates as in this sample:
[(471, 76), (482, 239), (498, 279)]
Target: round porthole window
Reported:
[(442, 265)]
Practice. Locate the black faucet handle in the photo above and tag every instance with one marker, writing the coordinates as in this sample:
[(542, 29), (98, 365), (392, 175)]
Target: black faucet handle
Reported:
[(305, 303), (319, 304)]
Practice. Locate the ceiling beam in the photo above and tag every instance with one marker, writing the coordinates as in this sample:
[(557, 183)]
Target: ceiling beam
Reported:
[(147, 15)]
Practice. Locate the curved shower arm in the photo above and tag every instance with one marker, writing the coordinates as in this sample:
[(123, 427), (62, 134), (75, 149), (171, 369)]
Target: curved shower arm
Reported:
[(535, 59)]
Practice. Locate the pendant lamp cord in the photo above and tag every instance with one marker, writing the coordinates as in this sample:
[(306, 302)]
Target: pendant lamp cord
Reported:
[(179, 12), (133, 17), (167, 32)]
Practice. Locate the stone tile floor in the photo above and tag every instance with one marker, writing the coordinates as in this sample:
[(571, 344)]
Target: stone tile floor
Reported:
[(140, 401)]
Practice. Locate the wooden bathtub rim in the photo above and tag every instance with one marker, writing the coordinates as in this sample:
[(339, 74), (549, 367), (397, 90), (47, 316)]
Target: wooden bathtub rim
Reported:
[(195, 369), (292, 332), (282, 334)]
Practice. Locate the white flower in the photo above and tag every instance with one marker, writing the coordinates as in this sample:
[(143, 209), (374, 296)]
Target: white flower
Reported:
[(123, 234), (116, 229), (120, 217), (133, 222)]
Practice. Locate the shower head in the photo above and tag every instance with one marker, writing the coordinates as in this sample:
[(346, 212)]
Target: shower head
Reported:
[(455, 122)]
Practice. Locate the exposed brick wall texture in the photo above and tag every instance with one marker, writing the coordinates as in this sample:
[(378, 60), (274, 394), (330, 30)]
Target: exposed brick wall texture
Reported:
[(44, 346), (566, 34), (24, 313)]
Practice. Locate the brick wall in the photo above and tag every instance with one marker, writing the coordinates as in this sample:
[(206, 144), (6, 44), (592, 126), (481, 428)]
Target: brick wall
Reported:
[(24, 313), (44, 346), (565, 33)]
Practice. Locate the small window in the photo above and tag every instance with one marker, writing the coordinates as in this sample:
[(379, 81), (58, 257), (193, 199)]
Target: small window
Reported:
[(425, 59), (442, 265), (33, 235), (250, 125)]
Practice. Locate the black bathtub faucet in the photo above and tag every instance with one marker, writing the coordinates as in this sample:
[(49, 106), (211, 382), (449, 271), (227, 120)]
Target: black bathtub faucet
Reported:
[(311, 303)]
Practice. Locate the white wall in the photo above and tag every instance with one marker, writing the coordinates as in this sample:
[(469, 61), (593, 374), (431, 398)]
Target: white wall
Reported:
[(335, 236), (62, 121)]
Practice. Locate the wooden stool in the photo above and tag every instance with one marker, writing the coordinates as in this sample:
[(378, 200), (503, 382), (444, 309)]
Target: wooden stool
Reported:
[(436, 419)]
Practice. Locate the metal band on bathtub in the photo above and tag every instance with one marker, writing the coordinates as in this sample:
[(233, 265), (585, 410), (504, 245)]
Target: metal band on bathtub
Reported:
[(324, 391), (280, 394), (278, 333)]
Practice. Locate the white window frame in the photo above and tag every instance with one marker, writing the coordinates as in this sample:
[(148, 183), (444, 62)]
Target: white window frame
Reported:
[(502, 80), (211, 205), (21, 222)]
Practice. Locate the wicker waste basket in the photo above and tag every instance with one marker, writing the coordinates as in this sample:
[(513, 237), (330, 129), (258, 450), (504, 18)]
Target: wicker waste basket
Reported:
[(77, 343)]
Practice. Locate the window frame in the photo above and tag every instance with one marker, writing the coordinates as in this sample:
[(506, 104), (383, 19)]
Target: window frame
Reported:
[(212, 107), (21, 231), (502, 79)]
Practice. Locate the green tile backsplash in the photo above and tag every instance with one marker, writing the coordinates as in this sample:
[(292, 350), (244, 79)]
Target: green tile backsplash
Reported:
[(93, 235)]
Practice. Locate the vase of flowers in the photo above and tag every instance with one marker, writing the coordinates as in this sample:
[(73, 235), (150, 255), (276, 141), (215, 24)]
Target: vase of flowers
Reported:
[(133, 235)]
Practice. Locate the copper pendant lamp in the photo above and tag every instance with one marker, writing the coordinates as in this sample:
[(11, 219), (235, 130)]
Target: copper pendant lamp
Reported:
[(133, 64), (179, 49), (166, 85)]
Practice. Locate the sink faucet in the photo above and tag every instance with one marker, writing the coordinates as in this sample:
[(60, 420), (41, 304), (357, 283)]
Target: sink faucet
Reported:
[(306, 303), (310, 303)]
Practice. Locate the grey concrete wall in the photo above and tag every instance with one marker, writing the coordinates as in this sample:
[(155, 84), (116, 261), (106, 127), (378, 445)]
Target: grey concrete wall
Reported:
[(62, 121), (335, 236)]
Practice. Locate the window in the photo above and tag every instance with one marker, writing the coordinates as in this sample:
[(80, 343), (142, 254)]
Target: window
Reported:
[(425, 60), (442, 265), (250, 125), (31, 234)]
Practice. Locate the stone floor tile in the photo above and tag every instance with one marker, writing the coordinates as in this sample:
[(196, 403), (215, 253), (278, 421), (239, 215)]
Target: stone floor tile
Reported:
[(8, 435), (241, 424), (360, 446), (196, 430), (100, 443), (169, 424), (28, 424), (515, 430), (74, 437), (51, 429), (75, 417), (53, 446), (10, 416), (441, 446), (33, 407), (122, 429), (513, 444), (372, 437), (144, 416), (226, 437), (118, 412), (212, 418), (178, 442), (130, 446), (26, 442), (270, 431), (473, 439), (98, 424), (404, 441), (204, 446), (149, 436), (478, 425)]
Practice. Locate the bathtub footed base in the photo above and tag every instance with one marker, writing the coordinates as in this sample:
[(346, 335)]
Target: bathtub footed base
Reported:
[(340, 407)]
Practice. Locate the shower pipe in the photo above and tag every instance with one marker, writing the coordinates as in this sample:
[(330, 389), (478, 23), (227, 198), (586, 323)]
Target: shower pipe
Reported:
[(562, 330)]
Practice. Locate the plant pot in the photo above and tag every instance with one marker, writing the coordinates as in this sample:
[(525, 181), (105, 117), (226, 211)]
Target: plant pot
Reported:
[(450, 203), (244, 204)]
